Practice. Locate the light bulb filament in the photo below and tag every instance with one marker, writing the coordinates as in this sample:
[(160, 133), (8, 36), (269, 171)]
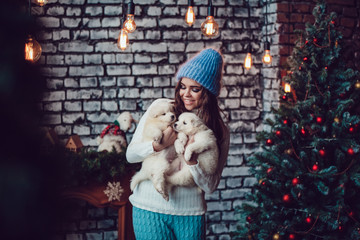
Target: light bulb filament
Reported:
[(209, 28), (42, 2), (129, 24), (287, 88), (190, 16), (29, 51), (267, 57), (248, 61), (123, 40), (32, 50)]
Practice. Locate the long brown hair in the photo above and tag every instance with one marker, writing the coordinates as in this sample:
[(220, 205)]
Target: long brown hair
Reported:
[(208, 110)]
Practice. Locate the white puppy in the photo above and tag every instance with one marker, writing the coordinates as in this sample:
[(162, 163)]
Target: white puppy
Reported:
[(190, 126), (161, 115), (113, 136)]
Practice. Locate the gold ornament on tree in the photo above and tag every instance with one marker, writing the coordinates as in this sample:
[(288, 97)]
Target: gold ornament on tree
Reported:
[(357, 84), (276, 236)]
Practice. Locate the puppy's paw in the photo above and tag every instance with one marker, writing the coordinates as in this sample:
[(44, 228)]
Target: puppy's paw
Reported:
[(179, 147), (187, 154), (161, 189)]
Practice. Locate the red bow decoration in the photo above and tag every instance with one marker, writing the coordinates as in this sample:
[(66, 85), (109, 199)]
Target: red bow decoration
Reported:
[(112, 129)]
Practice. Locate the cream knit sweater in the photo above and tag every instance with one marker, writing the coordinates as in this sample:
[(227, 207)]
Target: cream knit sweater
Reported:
[(182, 200)]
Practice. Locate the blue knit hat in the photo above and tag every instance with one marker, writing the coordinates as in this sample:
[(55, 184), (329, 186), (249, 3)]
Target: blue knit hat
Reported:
[(205, 68)]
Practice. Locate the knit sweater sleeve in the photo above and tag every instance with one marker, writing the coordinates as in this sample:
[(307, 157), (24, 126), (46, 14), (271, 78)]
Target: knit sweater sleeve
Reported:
[(138, 149), (208, 183)]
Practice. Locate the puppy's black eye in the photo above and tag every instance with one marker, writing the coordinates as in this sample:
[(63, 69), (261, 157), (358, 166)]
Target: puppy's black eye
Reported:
[(164, 114), (184, 122)]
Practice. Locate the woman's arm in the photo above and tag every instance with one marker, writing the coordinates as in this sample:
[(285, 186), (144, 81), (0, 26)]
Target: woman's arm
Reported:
[(208, 183), (138, 150)]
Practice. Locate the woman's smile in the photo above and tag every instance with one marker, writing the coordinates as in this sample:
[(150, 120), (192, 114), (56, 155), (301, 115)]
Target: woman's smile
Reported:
[(190, 93)]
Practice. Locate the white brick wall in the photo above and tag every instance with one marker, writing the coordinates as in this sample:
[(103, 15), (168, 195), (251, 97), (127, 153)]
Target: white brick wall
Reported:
[(90, 81)]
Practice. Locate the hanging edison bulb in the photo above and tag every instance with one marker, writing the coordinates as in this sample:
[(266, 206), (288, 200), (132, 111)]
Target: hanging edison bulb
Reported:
[(267, 57), (190, 15), (209, 27), (287, 88), (42, 2), (248, 59), (123, 40), (129, 24), (32, 50)]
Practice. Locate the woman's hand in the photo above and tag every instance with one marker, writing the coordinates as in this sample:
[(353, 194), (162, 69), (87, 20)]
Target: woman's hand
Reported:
[(168, 138)]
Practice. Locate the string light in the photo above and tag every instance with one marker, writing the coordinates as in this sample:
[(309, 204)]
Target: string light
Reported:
[(129, 24), (190, 15), (248, 59), (123, 40), (32, 47), (32, 50), (267, 59), (42, 2), (287, 88), (209, 27)]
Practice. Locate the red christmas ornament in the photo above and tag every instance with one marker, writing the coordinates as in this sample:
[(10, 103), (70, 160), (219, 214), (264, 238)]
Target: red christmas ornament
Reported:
[(342, 95), (285, 121), (332, 22), (269, 142), (308, 220), (286, 198), (269, 170), (351, 214), (315, 40), (303, 132), (315, 167), (278, 133), (284, 97), (248, 219), (319, 120), (351, 130), (291, 236), (350, 151), (305, 58), (322, 153), (300, 68), (295, 181), (341, 228), (326, 68)]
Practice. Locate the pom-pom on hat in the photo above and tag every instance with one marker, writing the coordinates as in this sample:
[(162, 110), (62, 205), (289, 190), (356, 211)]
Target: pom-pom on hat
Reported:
[(205, 68)]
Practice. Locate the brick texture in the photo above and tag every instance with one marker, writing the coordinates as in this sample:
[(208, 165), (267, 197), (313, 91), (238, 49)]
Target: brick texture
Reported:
[(89, 79)]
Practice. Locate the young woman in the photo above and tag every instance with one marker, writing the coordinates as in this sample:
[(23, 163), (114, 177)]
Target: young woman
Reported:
[(183, 216)]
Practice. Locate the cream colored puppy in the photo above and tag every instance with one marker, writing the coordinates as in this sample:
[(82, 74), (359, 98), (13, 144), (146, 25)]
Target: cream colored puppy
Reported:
[(190, 126), (161, 115)]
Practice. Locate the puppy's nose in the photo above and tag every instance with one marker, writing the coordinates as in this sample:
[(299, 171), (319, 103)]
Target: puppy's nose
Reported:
[(172, 117), (175, 125)]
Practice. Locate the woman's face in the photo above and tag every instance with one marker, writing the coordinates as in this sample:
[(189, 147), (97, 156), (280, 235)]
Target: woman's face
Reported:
[(190, 93)]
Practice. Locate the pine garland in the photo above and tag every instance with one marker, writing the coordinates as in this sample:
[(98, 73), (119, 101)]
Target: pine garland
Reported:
[(87, 166)]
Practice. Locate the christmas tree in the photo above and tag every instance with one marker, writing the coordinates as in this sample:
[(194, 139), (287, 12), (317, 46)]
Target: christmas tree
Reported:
[(309, 170)]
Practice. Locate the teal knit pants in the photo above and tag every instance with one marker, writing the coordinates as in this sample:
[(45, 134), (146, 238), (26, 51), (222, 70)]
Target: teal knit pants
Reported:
[(157, 226)]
